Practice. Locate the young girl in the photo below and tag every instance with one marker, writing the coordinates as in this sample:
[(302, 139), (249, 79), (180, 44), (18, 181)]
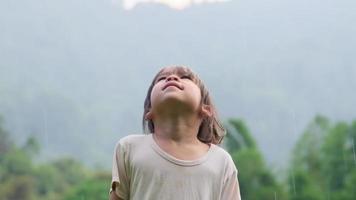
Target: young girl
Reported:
[(179, 159)]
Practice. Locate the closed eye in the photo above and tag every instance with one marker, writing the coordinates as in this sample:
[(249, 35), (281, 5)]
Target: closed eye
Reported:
[(161, 78), (186, 77)]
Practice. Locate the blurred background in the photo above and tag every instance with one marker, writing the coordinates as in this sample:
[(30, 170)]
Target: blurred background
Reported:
[(74, 75)]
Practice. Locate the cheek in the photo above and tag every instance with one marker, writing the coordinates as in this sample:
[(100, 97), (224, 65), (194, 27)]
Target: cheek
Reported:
[(197, 94), (153, 95)]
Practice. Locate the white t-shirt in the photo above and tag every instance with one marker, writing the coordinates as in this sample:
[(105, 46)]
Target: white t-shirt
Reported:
[(143, 171)]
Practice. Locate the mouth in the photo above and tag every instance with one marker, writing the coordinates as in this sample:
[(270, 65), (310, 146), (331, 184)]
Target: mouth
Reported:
[(174, 84)]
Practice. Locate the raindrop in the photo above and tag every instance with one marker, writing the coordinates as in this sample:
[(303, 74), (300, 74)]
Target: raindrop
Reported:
[(45, 126), (293, 182), (295, 122), (353, 149), (294, 134)]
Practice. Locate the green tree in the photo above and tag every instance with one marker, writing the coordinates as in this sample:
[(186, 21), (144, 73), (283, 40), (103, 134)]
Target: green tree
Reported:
[(256, 180), (323, 162), (305, 178), (238, 136), (21, 178), (18, 187), (93, 188), (303, 186), (5, 142), (31, 147), (349, 192), (338, 159)]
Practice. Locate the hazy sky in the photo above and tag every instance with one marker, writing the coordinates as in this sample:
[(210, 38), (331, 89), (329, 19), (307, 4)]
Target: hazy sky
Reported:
[(80, 69), (174, 4)]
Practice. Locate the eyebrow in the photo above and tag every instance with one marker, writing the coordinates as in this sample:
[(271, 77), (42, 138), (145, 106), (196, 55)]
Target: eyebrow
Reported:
[(163, 74), (176, 71)]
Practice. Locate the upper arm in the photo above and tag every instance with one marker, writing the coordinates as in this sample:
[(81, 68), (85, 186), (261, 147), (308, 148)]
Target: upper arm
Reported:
[(113, 196), (231, 188), (120, 175)]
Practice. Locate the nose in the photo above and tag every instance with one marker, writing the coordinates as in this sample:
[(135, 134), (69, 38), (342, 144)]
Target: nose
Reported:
[(172, 77)]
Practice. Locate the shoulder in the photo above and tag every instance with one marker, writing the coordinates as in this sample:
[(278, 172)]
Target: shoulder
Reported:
[(130, 141), (132, 138), (224, 157), (221, 152)]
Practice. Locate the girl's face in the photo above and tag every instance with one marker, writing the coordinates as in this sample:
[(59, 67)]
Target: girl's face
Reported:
[(175, 88)]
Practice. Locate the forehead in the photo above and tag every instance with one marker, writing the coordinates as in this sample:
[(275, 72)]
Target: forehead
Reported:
[(179, 70)]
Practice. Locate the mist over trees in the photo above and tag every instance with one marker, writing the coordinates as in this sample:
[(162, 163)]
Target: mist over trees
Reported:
[(256, 179), (323, 162), (322, 166), (73, 75), (73, 71), (23, 177)]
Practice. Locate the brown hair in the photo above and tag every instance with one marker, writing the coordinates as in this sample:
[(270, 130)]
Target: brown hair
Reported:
[(211, 129)]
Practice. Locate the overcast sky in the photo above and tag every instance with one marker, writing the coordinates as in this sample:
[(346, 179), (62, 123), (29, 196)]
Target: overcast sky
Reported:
[(81, 68)]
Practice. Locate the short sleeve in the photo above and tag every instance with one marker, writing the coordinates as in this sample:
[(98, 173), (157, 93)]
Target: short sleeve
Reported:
[(231, 188), (120, 183)]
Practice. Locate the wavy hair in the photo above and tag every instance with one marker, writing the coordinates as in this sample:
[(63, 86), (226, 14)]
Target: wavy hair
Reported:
[(211, 129)]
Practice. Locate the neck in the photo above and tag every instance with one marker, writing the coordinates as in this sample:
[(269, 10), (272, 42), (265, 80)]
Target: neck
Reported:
[(177, 129)]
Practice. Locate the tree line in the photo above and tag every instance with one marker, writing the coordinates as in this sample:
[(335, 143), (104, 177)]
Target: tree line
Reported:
[(322, 166)]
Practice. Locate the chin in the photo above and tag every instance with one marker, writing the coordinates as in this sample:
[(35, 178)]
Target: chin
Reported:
[(177, 104)]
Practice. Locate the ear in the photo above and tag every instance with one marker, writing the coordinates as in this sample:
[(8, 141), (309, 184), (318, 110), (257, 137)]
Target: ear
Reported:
[(149, 115), (206, 111)]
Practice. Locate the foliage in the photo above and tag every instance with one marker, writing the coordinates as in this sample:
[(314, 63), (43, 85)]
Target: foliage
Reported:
[(93, 188), (238, 136), (303, 187), (256, 180), (5, 142), (64, 178), (323, 166), (323, 162)]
